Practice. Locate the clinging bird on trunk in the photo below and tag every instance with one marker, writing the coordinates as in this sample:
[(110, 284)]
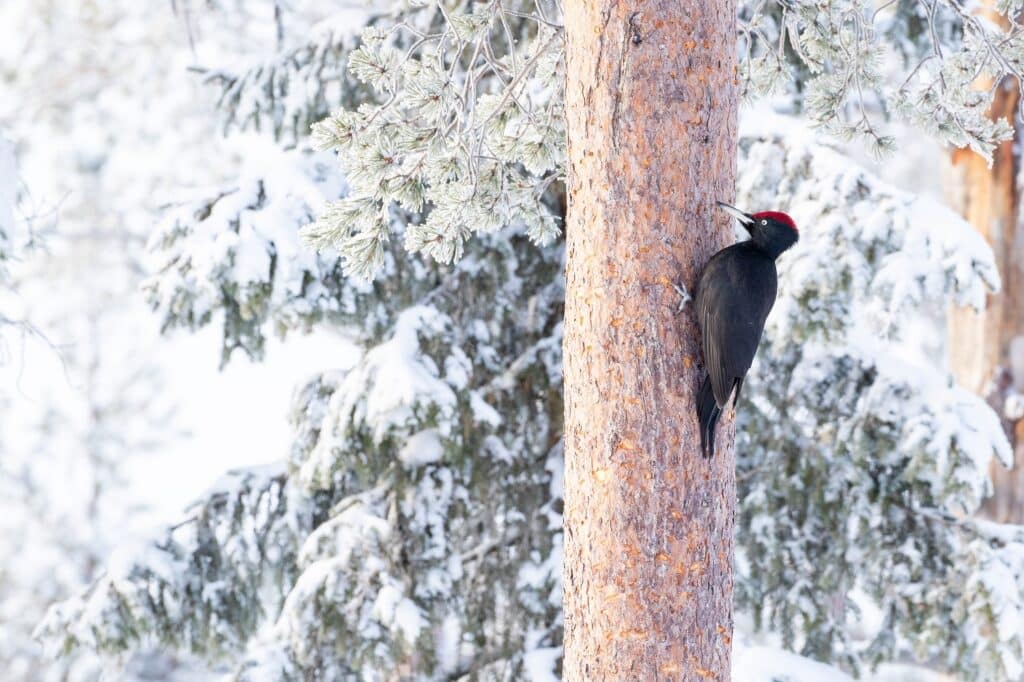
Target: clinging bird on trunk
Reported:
[(735, 292)]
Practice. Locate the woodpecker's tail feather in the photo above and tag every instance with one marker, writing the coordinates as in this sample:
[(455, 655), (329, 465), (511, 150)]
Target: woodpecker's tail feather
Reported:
[(708, 412)]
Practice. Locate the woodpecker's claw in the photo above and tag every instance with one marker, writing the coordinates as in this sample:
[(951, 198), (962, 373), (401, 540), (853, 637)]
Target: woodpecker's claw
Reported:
[(684, 297)]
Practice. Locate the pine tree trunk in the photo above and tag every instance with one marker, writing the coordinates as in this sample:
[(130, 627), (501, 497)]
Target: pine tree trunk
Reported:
[(980, 343), (652, 128)]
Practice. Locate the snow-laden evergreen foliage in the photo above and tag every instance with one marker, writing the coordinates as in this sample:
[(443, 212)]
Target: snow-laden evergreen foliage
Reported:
[(415, 527), (866, 484), (417, 523), (225, 254), (243, 534), (96, 98), (297, 86), (852, 63), (476, 151)]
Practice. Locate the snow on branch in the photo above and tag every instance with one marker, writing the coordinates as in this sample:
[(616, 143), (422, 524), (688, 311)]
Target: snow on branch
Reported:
[(237, 254), (476, 153), (868, 246), (203, 585), (859, 61), (466, 123), (292, 89)]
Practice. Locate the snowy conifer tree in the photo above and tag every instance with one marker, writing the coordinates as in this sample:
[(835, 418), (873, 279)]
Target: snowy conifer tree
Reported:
[(414, 529)]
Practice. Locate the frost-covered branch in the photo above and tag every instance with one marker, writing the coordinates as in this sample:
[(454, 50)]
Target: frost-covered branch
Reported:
[(858, 62), (296, 87), (204, 585), (476, 152), (236, 255)]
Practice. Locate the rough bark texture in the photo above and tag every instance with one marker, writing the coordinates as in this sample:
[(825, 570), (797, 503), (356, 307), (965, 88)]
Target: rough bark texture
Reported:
[(980, 342), (652, 127)]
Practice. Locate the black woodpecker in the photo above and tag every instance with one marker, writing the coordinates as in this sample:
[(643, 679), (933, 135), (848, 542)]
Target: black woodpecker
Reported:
[(735, 291)]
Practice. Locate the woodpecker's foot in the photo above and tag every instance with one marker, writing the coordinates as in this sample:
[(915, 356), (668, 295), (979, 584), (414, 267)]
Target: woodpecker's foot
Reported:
[(684, 296)]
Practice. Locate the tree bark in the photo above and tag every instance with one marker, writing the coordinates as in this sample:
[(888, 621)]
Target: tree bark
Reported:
[(651, 98), (982, 344)]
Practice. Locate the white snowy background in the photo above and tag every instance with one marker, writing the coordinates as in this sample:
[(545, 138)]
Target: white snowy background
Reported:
[(109, 428)]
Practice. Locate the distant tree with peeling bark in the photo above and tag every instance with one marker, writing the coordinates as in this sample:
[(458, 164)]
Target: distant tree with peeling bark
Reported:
[(986, 347)]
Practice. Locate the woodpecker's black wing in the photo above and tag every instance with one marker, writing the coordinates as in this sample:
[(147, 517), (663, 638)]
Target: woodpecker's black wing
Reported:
[(735, 293)]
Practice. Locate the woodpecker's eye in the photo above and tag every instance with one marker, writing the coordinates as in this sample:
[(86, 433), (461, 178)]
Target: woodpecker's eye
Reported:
[(764, 222)]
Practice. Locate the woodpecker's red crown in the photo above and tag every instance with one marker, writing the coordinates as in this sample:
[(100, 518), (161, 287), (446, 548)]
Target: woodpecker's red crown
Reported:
[(778, 217)]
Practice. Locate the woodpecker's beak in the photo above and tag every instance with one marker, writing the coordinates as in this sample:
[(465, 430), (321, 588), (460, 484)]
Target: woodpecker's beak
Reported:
[(739, 215)]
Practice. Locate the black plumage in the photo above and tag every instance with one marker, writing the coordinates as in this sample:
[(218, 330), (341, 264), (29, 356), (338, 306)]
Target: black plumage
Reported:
[(735, 293)]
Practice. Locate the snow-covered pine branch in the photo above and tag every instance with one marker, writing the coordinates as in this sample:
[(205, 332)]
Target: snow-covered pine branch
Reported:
[(235, 253), (206, 585), (105, 120), (849, 65), (296, 86), (469, 130)]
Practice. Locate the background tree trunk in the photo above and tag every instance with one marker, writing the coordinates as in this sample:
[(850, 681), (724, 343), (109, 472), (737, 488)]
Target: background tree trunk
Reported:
[(986, 348), (652, 129)]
